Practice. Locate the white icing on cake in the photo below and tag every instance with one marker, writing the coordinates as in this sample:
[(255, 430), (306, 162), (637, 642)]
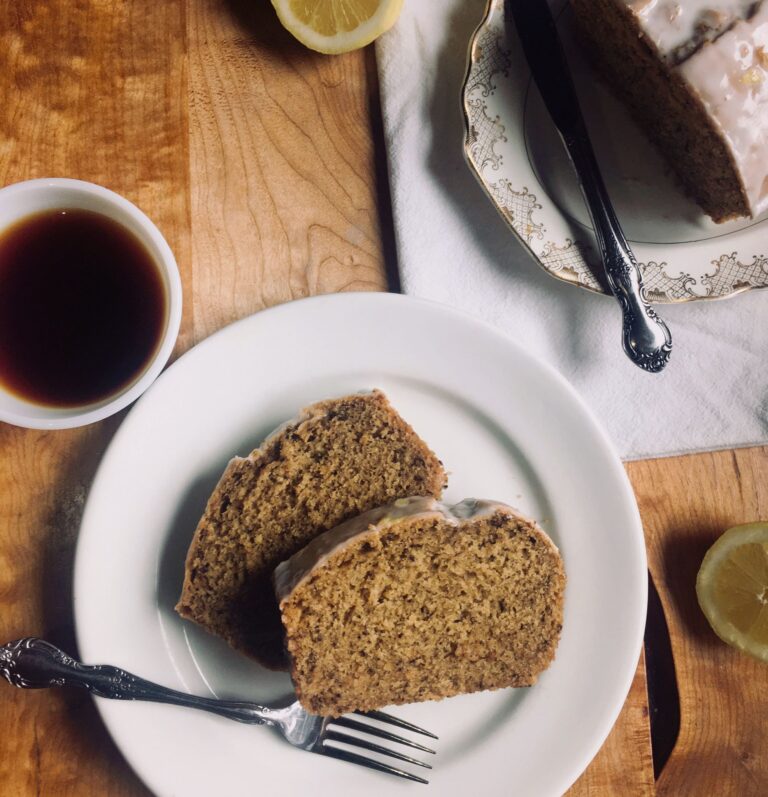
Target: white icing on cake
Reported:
[(678, 27), (730, 76), (289, 574), (720, 48)]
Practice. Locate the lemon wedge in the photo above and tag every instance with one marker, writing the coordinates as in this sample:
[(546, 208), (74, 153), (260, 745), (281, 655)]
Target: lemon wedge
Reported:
[(732, 588), (337, 26)]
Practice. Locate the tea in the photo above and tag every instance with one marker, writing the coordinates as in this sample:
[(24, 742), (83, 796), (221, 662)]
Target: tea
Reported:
[(83, 308)]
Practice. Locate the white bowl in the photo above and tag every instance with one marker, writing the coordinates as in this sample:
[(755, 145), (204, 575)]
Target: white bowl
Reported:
[(32, 196)]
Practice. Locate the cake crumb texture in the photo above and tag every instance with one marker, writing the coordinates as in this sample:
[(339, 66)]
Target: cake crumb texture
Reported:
[(342, 457), (425, 608)]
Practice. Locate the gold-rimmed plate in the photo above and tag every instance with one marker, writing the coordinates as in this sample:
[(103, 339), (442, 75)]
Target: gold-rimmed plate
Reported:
[(514, 150)]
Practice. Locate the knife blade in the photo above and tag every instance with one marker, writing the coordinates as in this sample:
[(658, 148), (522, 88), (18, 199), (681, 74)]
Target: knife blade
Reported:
[(646, 339)]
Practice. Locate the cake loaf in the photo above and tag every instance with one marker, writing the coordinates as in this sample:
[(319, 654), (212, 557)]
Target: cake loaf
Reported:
[(417, 601), (339, 458), (693, 74)]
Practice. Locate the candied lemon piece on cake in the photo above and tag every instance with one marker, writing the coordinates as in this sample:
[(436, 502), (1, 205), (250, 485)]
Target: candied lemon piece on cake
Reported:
[(337, 26), (732, 588)]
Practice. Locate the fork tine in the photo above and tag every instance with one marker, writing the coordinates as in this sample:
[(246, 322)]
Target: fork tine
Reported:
[(406, 726), (356, 741), (353, 758), (363, 727)]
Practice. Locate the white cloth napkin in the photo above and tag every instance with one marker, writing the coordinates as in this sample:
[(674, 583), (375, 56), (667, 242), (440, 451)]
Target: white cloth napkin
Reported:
[(454, 248)]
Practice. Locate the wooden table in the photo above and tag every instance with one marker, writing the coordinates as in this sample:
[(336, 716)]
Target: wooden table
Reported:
[(263, 165)]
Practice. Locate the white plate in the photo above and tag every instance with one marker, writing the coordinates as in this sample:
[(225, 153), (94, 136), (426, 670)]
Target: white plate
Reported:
[(506, 426), (514, 150)]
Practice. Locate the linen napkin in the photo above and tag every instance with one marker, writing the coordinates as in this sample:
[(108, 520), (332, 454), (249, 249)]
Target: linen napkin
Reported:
[(454, 248)]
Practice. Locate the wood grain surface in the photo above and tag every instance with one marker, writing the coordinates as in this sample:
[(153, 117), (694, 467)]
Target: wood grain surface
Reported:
[(686, 503), (95, 90), (262, 164), (282, 175)]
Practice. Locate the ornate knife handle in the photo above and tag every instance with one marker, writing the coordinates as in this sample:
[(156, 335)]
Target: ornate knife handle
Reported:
[(645, 337), (32, 663)]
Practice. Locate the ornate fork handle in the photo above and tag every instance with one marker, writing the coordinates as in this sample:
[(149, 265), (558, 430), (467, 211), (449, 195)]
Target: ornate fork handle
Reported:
[(32, 663)]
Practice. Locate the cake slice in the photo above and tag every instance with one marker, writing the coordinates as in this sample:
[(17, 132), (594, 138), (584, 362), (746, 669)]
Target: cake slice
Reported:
[(677, 28), (694, 75), (339, 458), (417, 601)]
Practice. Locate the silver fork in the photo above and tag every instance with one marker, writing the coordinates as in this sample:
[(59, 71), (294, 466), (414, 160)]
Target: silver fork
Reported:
[(32, 663)]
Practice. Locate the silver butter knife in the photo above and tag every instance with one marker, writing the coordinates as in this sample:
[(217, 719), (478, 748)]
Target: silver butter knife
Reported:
[(645, 337)]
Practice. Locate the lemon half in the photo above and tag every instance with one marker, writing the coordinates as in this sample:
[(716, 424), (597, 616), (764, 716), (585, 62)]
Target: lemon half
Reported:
[(732, 588), (337, 26)]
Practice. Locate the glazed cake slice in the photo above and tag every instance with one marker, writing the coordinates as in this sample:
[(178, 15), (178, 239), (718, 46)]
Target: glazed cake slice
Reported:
[(677, 28), (418, 601), (339, 458), (693, 74)]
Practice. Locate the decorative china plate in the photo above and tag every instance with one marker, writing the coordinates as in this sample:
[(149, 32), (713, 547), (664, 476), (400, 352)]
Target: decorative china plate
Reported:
[(514, 150), (505, 425)]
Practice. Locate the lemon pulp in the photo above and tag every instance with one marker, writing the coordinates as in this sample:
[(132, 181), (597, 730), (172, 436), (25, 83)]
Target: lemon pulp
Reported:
[(732, 588), (328, 18), (337, 26)]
